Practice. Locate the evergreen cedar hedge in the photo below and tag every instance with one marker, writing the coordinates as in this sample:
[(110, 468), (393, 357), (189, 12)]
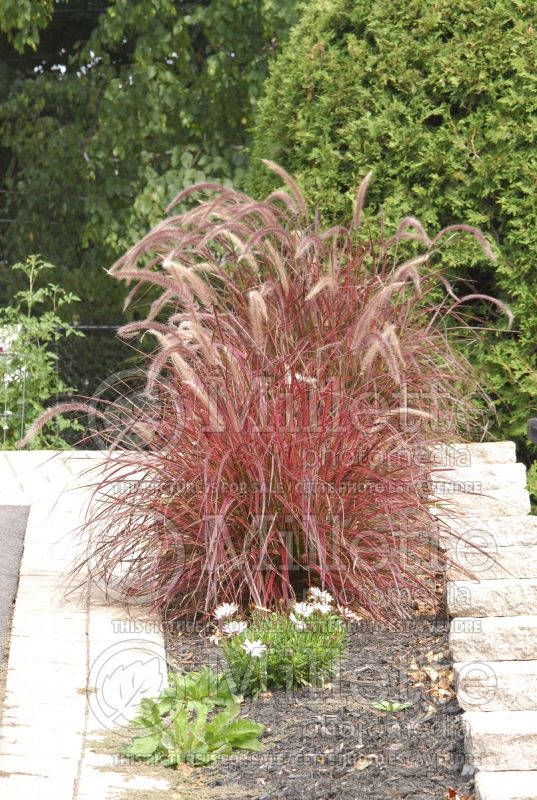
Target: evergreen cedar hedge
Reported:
[(440, 101)]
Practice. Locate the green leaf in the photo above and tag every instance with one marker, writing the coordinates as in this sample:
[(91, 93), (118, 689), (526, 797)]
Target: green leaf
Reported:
[(144, 746), (149, 714), (389, 706), (247, 744), (242, 730)]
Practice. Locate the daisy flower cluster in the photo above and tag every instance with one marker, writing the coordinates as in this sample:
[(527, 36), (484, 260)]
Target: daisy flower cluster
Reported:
[(225, 626), (319, 602), (289, 648)]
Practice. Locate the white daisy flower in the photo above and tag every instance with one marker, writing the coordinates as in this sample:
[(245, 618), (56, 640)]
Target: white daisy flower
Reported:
[(323, 608), (303, 609), (320, 596), (347, 613), (254, 649), (234, 627), (298, 623), (225, 610)]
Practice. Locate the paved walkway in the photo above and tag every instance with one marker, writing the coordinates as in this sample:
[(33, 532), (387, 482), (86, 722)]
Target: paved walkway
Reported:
[(77, 667), (493, 634)]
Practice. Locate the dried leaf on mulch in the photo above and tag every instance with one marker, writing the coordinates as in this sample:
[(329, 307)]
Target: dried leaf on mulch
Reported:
[(453, 794)]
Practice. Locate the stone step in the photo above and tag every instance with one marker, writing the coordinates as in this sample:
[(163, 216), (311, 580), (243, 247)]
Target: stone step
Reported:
[(514, 785), (518, 561), (489, 532), (493, 503), (480, 478), (496, 685), (494, 638), (460, 455), (497, 741), (501, 597)]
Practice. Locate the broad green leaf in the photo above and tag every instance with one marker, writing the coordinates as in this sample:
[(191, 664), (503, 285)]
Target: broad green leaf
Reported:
[(144, 746)]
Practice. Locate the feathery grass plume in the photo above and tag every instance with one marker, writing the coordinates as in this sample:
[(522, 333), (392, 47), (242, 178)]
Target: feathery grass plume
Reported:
[(290, 418), (360, 200), (324, 283), (258, 317), (292, 186)]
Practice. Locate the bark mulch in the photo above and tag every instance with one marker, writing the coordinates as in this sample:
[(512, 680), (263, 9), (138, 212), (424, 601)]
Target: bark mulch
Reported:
[(330, 743)]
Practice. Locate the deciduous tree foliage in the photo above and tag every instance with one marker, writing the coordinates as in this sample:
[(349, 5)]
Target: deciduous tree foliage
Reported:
[(22, 21), (440, 101), (108, 109)]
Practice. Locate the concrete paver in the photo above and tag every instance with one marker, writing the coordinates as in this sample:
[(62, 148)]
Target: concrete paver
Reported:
[(512, 785), (76, 667), (493, 636)]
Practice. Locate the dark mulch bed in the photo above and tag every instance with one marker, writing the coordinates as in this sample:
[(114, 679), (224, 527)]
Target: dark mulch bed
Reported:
[(329, 743)]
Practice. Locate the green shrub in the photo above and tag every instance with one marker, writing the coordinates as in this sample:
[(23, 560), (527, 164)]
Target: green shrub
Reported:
[(29, 330), (439, 100)]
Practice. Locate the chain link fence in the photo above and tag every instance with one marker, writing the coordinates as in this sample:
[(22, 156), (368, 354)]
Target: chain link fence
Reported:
[(92, 365), (84, 362)]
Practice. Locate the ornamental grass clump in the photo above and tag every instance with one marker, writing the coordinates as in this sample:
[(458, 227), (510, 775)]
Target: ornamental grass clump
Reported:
[(285, 649), (300, 377)]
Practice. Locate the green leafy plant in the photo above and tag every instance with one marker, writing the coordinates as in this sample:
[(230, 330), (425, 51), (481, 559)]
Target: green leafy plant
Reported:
[(531, 479), (390, 705), (282, 650), (29, 378), (181, 725), (204, 686)]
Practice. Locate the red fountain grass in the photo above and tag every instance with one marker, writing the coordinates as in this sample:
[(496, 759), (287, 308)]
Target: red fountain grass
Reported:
[(300, 378)]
